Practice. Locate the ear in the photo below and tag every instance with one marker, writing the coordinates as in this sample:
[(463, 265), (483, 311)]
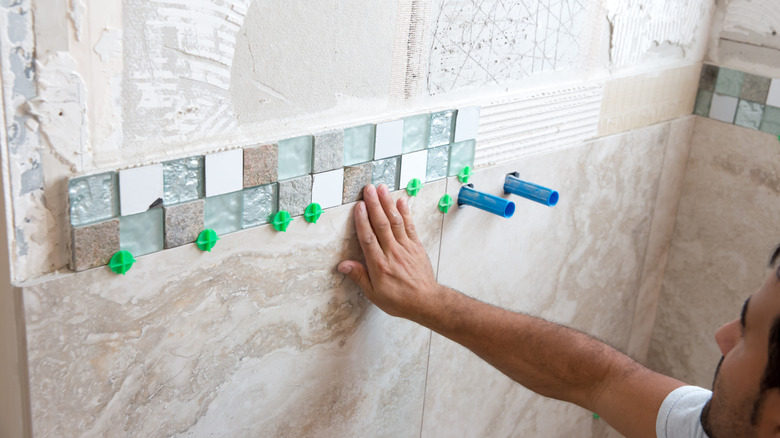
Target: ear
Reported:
[(770, 414)]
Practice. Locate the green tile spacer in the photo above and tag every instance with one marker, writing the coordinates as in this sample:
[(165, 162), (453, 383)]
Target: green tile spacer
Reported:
[(445, 203), (206, 240), (464, 175), (281, 221), (596, 416), (121, 262), (312, 213), (414, 187)]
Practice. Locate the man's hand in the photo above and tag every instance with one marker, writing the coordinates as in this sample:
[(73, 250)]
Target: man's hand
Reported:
[(397, 276)]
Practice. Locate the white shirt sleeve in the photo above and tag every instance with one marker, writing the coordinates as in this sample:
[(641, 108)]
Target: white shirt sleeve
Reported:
[(680, 413)]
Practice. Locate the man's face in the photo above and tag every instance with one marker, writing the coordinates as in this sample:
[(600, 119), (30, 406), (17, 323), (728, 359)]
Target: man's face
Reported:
[(736, 391)]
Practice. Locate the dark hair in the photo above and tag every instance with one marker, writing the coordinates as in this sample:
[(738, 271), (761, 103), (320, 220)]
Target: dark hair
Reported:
[(771, 378)]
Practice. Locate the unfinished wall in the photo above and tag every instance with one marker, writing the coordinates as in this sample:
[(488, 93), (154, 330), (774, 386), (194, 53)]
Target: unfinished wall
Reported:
[(262, 336)]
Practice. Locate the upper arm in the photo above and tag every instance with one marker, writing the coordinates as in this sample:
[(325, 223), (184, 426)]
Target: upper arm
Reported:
[(631, 396)]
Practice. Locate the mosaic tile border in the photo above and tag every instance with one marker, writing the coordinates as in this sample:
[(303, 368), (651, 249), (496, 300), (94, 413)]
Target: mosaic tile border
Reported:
[(158, 206), (740, 98)]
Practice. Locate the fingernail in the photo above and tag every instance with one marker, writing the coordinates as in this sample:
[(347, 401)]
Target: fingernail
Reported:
[(370, 190), (346, 269), (382, 189)]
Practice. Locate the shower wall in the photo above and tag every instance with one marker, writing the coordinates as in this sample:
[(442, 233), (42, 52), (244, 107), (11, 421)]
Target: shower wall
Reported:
[(262, 336), (726, 226)]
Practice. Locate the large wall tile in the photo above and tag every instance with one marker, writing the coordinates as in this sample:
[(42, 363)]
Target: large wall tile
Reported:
[(260, 337), (725, 230), (578, 263)]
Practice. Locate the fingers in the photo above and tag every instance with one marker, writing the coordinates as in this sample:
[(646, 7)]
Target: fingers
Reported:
[(358, 273), (406, 215), (368, 240), (377, 216), (393, 216)]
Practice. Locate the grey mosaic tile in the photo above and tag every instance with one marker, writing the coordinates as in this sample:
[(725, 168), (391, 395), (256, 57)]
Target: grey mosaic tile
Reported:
[(261, 165), (355, 178), (729, 82), (183, 180), (93, 245), (755, 88), (295, 194), (184, 222), (142, 233), (328, 151), (260, 204), (749, 114), (709, 75), (93, 198), (386, 172)]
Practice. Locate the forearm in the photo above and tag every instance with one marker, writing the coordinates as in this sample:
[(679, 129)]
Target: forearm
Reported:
[(549, 359)]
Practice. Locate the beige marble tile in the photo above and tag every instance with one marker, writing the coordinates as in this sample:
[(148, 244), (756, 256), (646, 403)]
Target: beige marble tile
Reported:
[(725, 230), (660, 238), (578, 263), (260, 337)]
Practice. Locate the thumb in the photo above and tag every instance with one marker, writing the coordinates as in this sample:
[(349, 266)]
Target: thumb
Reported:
[(357, 272)]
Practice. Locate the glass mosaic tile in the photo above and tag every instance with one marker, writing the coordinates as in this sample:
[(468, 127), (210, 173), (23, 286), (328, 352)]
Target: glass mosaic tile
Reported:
[(461, 155), (183, 180), (703, 101), (386, 172), (438, 160), (442, 124), (416, 132), (359, 144), (749, 114), (224, 172), (142, 233), (224, 213), (260, 204), (709, 75), (771, 121), (723, 108), (729, 82), (93, 198), (295, 156), (755, 88)]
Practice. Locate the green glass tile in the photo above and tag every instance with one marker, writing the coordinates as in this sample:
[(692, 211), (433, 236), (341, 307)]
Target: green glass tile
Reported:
[(442, 128), (461, 155), (749, 114), (260, 204), (142, 233), (295, 157), (359, 144), (224, 212), (416, 129), (703, 101), (709, 74), (438, 159), (183, 180), (386, 172), (729, 82), (93, 198), (771, 120)]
